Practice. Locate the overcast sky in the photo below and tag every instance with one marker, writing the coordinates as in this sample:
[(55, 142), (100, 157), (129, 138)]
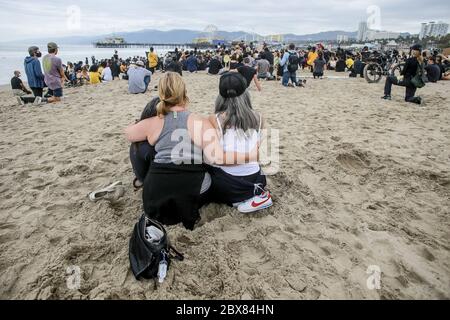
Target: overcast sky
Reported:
[(27, 19)]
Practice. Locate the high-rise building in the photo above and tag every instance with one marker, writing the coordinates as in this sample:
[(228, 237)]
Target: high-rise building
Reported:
[(362, 31), (433, 29), (342, 38), (379, 35)]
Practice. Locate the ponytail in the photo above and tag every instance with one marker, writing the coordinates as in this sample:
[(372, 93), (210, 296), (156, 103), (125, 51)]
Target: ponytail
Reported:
[(162, 109), (172, 92)]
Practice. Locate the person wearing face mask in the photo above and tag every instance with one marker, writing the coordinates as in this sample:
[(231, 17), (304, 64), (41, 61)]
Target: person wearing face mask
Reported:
[(409, 71), (34, 72)]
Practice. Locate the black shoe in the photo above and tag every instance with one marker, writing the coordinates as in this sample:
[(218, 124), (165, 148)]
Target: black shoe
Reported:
[(386, 97), (415, 100)]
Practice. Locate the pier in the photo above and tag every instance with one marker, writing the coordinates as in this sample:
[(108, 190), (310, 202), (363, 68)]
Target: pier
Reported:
[(166, 46)]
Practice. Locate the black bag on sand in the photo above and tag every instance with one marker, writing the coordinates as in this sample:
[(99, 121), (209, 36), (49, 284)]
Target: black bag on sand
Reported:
[(146, 256)]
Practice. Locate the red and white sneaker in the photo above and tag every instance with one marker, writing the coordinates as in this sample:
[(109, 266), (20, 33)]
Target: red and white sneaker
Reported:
[(256, 203)]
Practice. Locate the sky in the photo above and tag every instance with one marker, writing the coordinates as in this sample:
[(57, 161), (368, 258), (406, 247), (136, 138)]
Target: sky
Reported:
[(29, 19)]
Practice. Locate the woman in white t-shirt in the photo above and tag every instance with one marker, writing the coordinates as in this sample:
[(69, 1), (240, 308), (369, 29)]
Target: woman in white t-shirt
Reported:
[(239, 129)]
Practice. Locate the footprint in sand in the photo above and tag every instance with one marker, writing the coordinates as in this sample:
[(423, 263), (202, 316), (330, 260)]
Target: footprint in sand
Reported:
[(427, 255), (8, 232), (352, 161)]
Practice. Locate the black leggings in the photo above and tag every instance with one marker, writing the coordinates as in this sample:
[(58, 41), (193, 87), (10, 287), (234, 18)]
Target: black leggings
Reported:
[(142, 155)]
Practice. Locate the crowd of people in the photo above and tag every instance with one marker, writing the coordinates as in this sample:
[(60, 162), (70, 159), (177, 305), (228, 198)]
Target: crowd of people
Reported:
[(253, 63), (219, 163)]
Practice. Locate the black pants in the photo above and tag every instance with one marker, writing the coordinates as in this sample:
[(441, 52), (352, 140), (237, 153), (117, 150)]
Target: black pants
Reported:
[(317, 74), (37, 91), (392, 80), (230, 189), (142, 155), (27, 99)]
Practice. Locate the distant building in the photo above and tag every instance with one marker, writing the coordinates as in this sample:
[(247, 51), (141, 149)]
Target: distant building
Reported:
[(114, 40), (362, 31), (433, 29), (342, 38), (372, 35), (366, 34)]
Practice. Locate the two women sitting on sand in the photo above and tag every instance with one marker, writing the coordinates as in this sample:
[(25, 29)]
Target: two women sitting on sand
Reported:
[(188, 162)]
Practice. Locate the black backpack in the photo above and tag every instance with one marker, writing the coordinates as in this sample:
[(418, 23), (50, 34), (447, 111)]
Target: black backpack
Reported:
[(293, 62), (420, 78), (145, 256)]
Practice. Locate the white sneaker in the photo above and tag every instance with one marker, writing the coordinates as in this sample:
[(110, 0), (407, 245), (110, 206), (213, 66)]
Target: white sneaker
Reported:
[(256, 203), (20, 101), (37, 101)]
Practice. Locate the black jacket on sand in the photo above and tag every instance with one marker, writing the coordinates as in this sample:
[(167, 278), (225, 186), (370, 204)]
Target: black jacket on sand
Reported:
[(171, 193)]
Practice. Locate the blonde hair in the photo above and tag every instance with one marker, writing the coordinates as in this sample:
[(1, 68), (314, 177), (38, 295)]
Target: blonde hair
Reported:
[(172, 92)]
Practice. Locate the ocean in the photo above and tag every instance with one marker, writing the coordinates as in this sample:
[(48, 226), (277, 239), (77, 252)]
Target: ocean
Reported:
[(12, 56)]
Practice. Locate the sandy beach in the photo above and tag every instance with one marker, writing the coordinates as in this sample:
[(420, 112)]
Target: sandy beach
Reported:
[(362, 182)]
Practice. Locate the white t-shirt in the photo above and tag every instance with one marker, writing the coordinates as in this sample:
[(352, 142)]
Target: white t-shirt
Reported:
[(107, 74), (234, 141)]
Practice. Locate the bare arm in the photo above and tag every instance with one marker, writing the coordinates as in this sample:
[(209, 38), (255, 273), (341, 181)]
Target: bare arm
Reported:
[(257, 83), (138, 132), (205, 136)]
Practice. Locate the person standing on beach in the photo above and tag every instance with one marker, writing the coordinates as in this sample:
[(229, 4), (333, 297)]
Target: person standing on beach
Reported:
[(152, 60), (289, 63), (34, 72), (312, 56), (54, 73)]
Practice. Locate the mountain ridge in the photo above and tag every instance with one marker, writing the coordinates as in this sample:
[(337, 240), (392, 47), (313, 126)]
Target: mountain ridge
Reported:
[(180, 36)]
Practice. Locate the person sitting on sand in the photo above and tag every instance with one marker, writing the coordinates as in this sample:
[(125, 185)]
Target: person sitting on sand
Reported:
[(214, 65), (107, 73), (408, 72), (249, 73), (142, 153), (83, 76), (138, 78), (173, 66), (239, 129), (123, 70), (177, 179), (191, 63), (94, 75), (54, 73), (19, 90), (319, 66), (349, 62), (263, 68), (433, 70)]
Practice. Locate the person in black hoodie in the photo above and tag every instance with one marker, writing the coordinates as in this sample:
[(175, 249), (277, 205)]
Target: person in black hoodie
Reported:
[(408, 72)]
